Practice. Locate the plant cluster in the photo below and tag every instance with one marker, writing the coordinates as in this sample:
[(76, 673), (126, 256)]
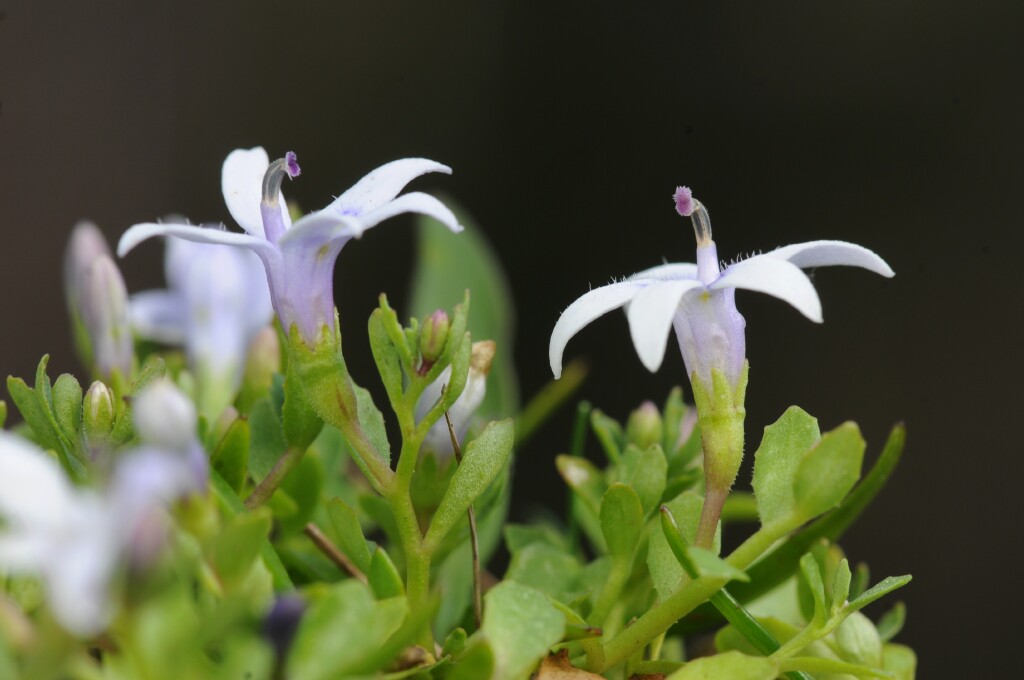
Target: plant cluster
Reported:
[(224, 500)]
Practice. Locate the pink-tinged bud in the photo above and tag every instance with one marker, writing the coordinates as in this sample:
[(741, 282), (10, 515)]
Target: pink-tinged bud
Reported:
[(434, 336), (645, 427), (103, 309)]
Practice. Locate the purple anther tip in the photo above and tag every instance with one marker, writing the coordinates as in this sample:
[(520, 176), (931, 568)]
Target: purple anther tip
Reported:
[(291, 163), (684, 201)]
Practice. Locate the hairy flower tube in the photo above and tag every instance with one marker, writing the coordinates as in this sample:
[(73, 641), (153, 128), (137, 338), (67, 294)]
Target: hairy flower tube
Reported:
[(75, 539), (699, 301), (299, 258), (215, 303)]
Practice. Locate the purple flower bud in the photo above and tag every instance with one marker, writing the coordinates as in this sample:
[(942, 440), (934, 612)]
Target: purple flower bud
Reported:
[(103, 306), (282, 622)]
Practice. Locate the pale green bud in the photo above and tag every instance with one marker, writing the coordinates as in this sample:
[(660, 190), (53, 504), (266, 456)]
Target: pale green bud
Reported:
[(97, 413), (645, 426), (858, 641), (433, 336), (164, 416)]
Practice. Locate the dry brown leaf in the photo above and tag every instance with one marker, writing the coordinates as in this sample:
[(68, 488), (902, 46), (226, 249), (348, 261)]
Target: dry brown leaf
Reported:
[(557, 667)]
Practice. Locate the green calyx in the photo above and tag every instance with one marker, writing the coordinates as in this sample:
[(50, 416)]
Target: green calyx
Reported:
[(720, 414)]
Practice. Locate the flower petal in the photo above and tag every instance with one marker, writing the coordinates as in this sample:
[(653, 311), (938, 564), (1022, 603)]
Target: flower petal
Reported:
[(416, 202), (665, 272), (141, 232), (829, 253), (584, 310), (241, 180), (383, 184), (775, 277), (35, 494), (320, 228), (158, 315), (650, 317)]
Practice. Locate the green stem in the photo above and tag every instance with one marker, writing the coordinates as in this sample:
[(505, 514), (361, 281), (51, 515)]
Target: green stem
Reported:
[(707, 527), (657, 620), (417, 557), (610, 593), (758, 544), (265, 489)]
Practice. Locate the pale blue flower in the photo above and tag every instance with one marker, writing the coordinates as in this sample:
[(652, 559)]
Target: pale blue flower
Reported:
[(299, 259), (698, 300), (75, 540), (216, 301)]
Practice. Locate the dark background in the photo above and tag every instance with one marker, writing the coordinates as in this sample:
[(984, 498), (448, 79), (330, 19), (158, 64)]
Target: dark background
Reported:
[(896, 125)]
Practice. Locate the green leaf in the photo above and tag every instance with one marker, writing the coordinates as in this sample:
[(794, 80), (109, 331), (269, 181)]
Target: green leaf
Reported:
[(830, 667), (383, 576), (665, 570), (519, 536), (455, 643), (475, 663), (483, 459), (299, 423), (731, 665), (342, 631), (3, 414), (881, 589), (389, 364), (899, 660), (349, 533), (583, 478), (622, 516), (777, 460), (841, 585), (372, 421), (521, 626), (266, 439), (645, 472), (829, 471), (609, 433), (238, 545), (548, 569), (303, 485), (230, 456), (672, 417), (446, 265), (67, 406), (891, 623), (811, 572)]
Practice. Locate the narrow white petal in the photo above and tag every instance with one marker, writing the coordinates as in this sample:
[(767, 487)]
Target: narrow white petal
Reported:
[(145, 231), (412, 202), (650, 317), (580, 313), (383, 184), (158, 315), (320, 228), (241, 180), (829, 253), (775, 277), (673, 271)]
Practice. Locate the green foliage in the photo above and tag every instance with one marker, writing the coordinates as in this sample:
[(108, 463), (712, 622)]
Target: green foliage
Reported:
[(732, 665), (521, 625)]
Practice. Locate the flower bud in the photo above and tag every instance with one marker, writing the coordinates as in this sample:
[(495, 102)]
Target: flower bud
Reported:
[(644, 427), (262, 362), (462, 411), (97, 302), (282, 622), (103, 306), (858, 641), (97, 413), (433, 336), (164, 417)]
